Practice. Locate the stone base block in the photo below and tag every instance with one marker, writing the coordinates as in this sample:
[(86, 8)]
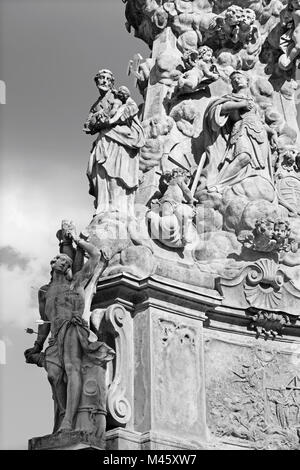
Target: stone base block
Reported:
[(68, 440), (156, 441), (122, 439)]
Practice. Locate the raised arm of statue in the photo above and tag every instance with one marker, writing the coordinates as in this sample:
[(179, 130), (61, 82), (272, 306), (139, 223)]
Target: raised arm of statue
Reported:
[(65, 242), (83, 275), (236, 105)]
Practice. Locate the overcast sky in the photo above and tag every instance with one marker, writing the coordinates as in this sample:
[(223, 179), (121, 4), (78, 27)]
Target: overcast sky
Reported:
[(50, 51)]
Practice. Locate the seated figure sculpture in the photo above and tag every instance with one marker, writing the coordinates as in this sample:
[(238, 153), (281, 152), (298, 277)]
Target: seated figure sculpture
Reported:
[(246, 151), (172, 222)]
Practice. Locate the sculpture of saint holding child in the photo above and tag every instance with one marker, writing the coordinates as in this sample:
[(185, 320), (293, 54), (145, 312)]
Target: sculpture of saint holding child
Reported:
[(114, 163)]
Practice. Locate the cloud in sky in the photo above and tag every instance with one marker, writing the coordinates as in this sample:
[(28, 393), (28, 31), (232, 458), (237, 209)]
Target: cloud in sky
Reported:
[(58, 46), (12, 258), (29, 221), (21, 261), (50, 51)]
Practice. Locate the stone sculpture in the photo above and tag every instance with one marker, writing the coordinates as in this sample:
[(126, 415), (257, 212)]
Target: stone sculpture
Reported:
[(194, 247), (172, 223), (202, 71), (74, 364), (287, 179), (248, 151), (113, 166), (290, 40)]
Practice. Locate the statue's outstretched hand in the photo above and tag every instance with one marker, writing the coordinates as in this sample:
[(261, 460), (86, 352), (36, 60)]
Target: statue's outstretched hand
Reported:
[(69, 230)]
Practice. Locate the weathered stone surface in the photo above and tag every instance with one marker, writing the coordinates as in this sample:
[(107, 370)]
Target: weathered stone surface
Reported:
[(195, 239), (253, 392), (169, 384), (261, 285), (68, 440), (75, 360), (113, 165)]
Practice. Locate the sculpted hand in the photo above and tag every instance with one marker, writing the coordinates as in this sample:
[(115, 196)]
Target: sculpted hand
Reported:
[(78, 320), (248, 105), (70, 231), (126, 114), (62, 234), (29, 354)]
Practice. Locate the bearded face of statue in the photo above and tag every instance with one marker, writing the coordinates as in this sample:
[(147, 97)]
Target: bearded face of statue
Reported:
[(104, 82)]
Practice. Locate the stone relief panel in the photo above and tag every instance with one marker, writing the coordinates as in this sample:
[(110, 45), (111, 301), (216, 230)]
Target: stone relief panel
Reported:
[(253, 393), (176, 365)]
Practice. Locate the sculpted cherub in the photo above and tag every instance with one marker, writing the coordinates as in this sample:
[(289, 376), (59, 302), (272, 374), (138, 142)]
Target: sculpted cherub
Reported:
[(176, 197), (122, 100), (290, 18), (178, 191), (262, 238), (231, 23), (247, 29), (202, 74), (287, 179), (271, 235), (282, 235), (120, 104)]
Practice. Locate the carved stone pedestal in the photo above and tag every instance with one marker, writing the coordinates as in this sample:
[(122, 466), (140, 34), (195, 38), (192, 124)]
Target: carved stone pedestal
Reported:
[(191, 373), (162, 392)]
